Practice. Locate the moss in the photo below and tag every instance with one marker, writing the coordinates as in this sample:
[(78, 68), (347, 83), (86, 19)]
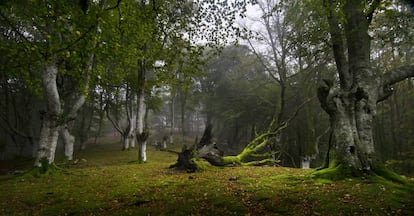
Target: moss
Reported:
[(228, 160), (322, 181), (388, 174), (201, 164), (267, 161), (335, 173), (46, 170)]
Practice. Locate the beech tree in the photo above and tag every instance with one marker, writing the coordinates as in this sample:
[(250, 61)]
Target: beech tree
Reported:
[(351, 100), (47, 41)]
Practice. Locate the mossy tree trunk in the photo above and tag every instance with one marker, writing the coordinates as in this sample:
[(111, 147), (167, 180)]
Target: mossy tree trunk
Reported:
[(352, 104), (252, 154)]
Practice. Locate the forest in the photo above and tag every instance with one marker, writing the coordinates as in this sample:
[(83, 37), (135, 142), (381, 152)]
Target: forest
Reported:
[(216, 107)]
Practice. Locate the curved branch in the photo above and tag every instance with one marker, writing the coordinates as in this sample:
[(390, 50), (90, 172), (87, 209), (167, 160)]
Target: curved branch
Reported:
[(398, 74), (391, 77)]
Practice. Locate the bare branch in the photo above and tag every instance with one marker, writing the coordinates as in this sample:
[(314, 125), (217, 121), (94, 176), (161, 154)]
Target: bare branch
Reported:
[(11, 129), (397, 75), (391, 77), (293, 116), (262, 62)]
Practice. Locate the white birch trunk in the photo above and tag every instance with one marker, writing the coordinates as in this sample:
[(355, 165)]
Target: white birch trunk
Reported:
[(133, 123), (306, 162), (126, 142), (142, 144), (67, 137), (133, 142), (49, 131), (131, 111), (68, 141)]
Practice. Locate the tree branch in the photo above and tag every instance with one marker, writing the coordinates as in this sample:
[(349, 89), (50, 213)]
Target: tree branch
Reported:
[(370, 12), (259, 57), (397, 75), (391, 77), (338, 47)]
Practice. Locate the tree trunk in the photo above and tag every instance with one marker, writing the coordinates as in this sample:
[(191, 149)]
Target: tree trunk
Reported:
[(172, 117), (164, 142), (67, 137), (352, 131), (68, 141), (131, 111), (49, 131), (208, 150), (126, 140), (142, 140), (142, 134), (353, 104)]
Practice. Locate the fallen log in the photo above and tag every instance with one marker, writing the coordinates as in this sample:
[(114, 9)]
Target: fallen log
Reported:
[(190, 158)]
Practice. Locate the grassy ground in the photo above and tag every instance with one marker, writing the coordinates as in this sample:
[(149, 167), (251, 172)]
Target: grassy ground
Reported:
[(109, 182)]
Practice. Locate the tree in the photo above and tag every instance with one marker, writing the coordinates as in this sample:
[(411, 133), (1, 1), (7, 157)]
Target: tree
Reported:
[(54, 40), (352, 103)]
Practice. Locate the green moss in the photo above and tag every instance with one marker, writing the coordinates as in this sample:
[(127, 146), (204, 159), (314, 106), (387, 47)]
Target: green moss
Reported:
[(335, 173), (228, 160), (46, 170), (321, 181), (108, 185), (202, 164), (388, 174)]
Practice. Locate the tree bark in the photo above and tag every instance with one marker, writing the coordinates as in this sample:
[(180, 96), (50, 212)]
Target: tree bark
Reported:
[(353, 105), (142, 141), (131, 111), (142, 134), (208, 150), (49, 131), (68, 138), (68, 141), (172, 116)]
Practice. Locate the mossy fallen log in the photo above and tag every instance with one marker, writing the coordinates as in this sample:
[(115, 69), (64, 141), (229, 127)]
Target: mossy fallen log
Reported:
[(207, 150)]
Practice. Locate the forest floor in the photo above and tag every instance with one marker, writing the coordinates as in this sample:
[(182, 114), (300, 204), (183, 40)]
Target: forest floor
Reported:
[(108, 182)]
